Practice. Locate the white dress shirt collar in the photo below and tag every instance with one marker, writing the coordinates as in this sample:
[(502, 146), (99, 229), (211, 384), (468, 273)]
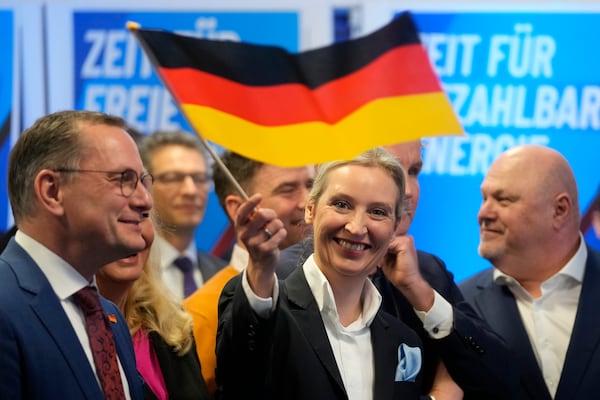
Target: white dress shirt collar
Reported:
[(549, 318), (168, 253), (64, 279), (573, 270), (325, 299)]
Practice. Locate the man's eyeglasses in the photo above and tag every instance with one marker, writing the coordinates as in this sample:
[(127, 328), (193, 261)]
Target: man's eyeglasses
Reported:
[(172, 177), (128, 179)]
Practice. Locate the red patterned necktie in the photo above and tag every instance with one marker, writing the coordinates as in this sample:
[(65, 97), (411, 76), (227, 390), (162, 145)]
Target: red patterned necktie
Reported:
[(101, 342)]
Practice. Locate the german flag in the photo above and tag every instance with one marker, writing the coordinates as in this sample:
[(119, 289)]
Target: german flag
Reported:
[(296, 109)]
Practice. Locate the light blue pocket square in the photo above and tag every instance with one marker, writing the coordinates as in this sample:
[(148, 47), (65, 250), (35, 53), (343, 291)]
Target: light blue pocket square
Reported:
[(409, 363)]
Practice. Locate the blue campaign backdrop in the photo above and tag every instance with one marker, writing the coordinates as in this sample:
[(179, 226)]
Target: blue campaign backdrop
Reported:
[(112, 75), (513, 77), (7, 39)]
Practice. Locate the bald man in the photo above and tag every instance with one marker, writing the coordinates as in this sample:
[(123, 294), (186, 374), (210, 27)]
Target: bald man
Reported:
[(542, 293)]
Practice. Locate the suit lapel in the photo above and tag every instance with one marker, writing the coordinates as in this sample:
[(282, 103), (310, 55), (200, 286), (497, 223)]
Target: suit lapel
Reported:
[(503, 317), (47, 307), (585, 337), (209, 265), (204, 266), (385, 358), (309, 318)]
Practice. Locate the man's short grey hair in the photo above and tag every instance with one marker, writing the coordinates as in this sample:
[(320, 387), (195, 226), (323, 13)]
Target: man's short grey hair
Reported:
[(157, 140)]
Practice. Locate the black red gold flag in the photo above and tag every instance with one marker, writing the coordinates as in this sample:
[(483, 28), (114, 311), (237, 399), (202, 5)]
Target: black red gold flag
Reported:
[(315, 106)]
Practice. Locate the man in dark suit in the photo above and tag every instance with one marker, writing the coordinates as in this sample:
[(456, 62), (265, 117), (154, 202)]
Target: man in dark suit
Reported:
[(178, 163), (78, 192), (541, 295), (472, 353)]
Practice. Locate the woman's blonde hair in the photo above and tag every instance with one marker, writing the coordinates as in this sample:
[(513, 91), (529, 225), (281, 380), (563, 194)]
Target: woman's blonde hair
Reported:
[(377, 157), (150, 305)]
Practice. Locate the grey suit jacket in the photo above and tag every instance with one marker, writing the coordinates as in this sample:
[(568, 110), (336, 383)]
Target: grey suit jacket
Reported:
[(288, 356), (209, 265), (40, 354), (581, 371)]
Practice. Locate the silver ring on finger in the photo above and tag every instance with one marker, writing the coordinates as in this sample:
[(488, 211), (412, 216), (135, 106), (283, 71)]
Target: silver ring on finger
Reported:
[(268, 233)]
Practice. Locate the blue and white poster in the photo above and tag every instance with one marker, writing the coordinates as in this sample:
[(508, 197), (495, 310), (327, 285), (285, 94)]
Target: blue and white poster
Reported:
[(513, 78), (112, 74), (22, 101), (7, 112), (108, 71)]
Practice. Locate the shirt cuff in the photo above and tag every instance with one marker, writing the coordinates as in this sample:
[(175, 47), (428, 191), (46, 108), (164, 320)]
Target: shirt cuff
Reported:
[(437, 322), (262, 306)]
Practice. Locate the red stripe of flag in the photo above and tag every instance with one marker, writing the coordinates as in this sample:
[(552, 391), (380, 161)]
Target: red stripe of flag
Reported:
[(386, 76)]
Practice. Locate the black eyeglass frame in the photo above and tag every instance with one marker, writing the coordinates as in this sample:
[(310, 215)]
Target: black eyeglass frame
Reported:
[(175, 177), (123, 182)]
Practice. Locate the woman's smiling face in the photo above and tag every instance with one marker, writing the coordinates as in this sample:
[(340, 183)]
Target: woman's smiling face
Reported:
[(354, 220)]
